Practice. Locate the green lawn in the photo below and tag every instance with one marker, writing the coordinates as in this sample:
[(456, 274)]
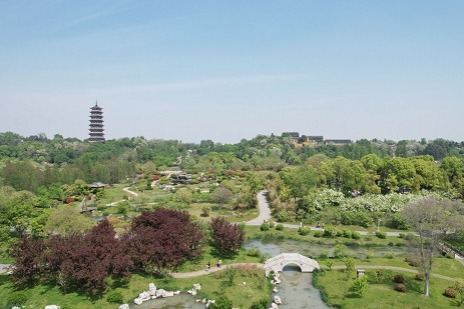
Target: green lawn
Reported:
[(383, 295)]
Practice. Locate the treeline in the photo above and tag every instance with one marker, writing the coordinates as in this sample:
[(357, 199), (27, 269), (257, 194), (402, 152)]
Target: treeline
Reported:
[(28, 163)]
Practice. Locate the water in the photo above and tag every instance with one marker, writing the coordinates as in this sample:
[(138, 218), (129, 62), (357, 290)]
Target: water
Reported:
[(314, 250), (296, 290)]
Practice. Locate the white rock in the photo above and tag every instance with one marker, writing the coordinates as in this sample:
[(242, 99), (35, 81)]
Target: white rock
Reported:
[(151, 286), (138, 301), (51, 307), (176, 292), (197, 286), (275, 290), (124, 306), (277, 299)]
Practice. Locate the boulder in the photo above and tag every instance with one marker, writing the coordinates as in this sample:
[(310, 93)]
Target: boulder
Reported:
[(124, 306), (52, 307), (138, 301)]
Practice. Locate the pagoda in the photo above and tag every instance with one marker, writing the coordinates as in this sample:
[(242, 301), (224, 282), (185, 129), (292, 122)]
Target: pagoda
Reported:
[(96, 124)]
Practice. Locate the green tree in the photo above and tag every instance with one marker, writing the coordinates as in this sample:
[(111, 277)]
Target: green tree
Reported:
[(65, 220)]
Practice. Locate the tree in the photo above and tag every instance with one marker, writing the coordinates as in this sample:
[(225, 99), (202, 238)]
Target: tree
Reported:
[(227, 238), (222, 195), (67, 221), (432, 219), (28, 255), (164, 238)]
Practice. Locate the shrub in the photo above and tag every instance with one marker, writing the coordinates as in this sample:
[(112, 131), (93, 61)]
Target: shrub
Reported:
[(17, 298), (398, 279), (355, 235), (450, 292), (400, 287), (338, 233), (253, 252), (318, 234), (303, 231), (329, 232), (412, 261), (419, 277), (388, 256), (265, 226), (115, 297), (381, 235), (279, 227), (347, 233), (281, 216)]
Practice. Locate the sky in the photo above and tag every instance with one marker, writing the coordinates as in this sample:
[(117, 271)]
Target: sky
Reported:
[(231, 70)]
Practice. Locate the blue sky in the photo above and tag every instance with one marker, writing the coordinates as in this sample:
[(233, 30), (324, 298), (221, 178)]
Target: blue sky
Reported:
[(227, 70)]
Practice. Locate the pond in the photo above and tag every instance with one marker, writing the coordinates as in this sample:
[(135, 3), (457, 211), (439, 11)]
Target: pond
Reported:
[(314, 250)]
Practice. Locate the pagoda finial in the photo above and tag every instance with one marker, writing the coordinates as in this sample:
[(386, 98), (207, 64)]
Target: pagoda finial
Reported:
[(96, 103)]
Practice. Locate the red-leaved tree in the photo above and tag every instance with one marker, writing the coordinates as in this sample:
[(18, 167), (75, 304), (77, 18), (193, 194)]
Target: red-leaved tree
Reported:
[(227, 238), (164, 238)]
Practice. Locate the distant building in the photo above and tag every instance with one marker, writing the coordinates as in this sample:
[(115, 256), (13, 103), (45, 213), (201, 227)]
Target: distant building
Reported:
[(338, 142), (317, 139), (96, 124), (294, 135)]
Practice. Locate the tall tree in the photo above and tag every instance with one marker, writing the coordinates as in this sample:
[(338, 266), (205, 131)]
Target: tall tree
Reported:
[(432, 219)]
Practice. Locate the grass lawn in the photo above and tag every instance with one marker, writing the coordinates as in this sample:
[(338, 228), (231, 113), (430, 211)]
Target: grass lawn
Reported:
[(226, 282), (383, 295)]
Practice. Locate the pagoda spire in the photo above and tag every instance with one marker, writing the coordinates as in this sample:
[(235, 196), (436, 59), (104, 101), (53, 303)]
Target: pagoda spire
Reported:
[(96, 124)]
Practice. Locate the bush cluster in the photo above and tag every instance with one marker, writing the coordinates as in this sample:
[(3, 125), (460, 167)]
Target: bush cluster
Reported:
[(381, 235), (419, 277), (265, 226)]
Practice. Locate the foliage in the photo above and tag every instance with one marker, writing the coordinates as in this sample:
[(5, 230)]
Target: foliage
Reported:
[(227, 238), (222, 302), (400, 287), (381, 235), (265, 226), (359, 286), (65, 220), (164, 238), (459, 287), (261, 304), (398, 279), (303, 231), (279, 227), (450, 292), (115, 297), (17, 298)]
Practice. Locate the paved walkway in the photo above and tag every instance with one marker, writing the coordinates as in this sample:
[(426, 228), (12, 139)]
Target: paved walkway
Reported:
[(264, 210), (259, 265)]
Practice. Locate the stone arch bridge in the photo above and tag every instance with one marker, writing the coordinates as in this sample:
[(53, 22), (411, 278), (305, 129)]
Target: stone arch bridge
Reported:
[(278, 262)]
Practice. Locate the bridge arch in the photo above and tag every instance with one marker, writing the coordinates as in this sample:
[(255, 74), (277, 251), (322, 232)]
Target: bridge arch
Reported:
[(278, 262)]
